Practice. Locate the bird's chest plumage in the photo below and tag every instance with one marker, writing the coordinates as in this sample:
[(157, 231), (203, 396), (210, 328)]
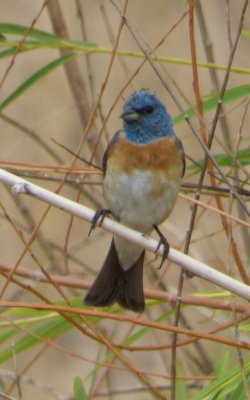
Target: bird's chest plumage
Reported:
[(142, 181)]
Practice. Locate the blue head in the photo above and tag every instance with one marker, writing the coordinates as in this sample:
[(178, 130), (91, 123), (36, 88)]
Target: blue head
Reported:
[(145, 118)]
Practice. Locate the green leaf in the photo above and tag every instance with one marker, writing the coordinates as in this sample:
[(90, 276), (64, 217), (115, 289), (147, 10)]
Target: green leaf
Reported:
[(231, 95), (240, 392), (8, 334), (220, 370), (13, 312), (223, 386), (142, 331), (43, 38), (79, 391), (54, 326), (34, 78), (243, 156), (216, 293), (222, 367), (225, 160), (132, 338), (181, 391), (245, 327), (20, 30), (49, 330), (7, 53), (246, 33)]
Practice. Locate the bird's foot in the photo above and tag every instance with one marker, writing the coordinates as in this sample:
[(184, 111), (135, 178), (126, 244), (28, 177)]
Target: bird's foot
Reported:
[(188, 274), (98, 218), (163, 241)]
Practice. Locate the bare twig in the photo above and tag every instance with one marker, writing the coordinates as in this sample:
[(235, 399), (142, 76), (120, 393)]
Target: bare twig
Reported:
[(74, 76), (77, 283), (123, 318)]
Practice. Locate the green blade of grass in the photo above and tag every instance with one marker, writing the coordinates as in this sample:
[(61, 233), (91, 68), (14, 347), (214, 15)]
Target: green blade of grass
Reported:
[(7, 53), (240, 391), (21, 30), (43, 38), (49, 330), (8, 334), (181, 390), (246, 33), (224, 385), (34, 78), (46, 330), (131, 339), (79, 391), (231, 95), (225, 160)]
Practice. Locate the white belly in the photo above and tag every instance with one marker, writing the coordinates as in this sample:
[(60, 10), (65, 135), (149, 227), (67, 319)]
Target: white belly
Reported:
[(140, 200)]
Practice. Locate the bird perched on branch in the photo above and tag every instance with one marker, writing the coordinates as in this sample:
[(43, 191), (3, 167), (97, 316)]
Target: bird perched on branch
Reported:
[(143, 166)]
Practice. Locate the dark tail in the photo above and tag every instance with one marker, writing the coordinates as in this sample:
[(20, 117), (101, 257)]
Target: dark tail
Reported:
[(114, 284)]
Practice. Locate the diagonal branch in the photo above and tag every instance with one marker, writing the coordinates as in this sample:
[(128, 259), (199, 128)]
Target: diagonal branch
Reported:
[(21, 186)]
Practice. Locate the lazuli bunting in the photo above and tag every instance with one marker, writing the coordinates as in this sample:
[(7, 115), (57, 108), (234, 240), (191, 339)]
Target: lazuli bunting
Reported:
[(143, 166)]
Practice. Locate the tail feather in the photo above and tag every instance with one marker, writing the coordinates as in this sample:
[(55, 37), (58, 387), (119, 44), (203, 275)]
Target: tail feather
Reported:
[(114, 284), (131, 295)]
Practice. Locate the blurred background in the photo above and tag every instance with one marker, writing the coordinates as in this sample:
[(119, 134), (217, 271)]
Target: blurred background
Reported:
[(55, 110)]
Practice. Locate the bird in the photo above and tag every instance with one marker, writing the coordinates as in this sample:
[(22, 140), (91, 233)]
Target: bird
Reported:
[(143, 166)]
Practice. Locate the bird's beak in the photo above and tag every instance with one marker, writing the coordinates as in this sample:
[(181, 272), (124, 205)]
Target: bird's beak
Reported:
[(129, 115)]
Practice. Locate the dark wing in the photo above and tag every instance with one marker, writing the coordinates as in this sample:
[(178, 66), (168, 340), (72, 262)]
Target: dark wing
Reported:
[(181, 149), (183, 164), (112, 142)]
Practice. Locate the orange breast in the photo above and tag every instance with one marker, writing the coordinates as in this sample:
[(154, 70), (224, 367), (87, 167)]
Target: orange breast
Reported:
[(161, 155)]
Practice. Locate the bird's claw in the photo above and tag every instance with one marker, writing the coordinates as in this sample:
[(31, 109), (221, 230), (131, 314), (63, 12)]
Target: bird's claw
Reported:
[(98, 218), (188, 274), (163, 241)]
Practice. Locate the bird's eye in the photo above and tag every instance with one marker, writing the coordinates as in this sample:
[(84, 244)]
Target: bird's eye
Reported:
[(148, 109), (144, 110)]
